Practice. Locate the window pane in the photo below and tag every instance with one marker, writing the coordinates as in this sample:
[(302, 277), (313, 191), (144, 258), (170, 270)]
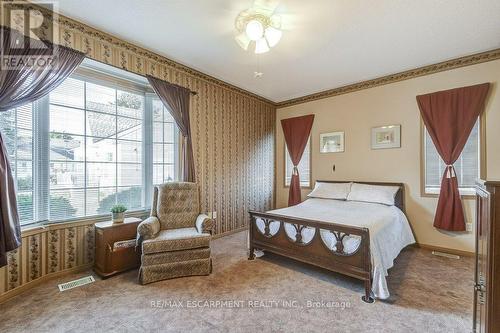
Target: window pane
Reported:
[(157, 132), (100, 98), (24, 144), (25, 206), (101, 125), (129, 129), (165, 154), (66, 147), (100, 200), (69, 93), (169, 175), (23, 173), (466, 167), (129, 174), (168, 153), (101, 150), (67, 120), (130, 104), (64, 204), (157, 174), (67, 175), (169, 132), (16, 126), (157, 153), (157, 110), (129, 151), (101, 174), (303, 166), (131, 197)]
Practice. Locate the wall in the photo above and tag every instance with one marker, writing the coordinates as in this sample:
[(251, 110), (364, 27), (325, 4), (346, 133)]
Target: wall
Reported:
[(355, 113), (233, 139)]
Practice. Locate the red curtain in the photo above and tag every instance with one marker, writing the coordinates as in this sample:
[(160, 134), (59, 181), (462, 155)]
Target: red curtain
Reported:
[(449, 117), (296, 131)]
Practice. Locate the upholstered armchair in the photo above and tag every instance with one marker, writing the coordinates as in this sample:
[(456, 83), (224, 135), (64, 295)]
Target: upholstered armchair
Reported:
[(175, 240)]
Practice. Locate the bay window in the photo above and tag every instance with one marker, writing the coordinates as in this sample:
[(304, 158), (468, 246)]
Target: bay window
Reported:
[(90, 144)]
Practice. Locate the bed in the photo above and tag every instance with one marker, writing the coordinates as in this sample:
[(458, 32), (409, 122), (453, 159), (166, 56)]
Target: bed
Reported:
[(359, 239)]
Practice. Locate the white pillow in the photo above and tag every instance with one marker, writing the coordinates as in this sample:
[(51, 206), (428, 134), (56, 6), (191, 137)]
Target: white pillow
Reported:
[(338, 191), (373, 193)]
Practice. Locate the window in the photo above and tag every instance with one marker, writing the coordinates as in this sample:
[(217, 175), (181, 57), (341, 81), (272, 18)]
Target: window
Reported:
[(17, 130), (92, 143), (304, 167), (95, 149), (165, 145), (467, 167)]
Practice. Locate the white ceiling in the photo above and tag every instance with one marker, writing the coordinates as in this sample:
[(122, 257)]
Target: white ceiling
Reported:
[(327, 43)]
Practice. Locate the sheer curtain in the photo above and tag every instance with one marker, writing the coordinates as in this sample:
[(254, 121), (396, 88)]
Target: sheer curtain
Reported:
[(20, 85)]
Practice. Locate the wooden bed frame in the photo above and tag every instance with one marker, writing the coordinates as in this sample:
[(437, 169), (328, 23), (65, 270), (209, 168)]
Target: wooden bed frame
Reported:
[(357, 264)]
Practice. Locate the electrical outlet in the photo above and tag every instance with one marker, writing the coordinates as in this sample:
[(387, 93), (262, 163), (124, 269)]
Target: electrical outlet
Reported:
[(468, 226), (212, 215)]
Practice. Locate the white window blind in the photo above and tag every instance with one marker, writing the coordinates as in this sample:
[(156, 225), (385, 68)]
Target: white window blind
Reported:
[(90, 144), (16, 126), (304, 166), (95, 149), (467, 167), (165, 145)]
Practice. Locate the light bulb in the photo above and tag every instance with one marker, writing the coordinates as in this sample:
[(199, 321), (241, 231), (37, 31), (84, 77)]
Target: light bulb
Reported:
[(254, 30), (261, 46), (273, 36)]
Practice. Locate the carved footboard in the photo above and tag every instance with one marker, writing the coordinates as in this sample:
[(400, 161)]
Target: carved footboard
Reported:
[(338, 248)]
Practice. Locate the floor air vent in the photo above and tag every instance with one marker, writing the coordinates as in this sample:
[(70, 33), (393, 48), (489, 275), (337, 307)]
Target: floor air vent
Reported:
[(76, 283), (446, 255)]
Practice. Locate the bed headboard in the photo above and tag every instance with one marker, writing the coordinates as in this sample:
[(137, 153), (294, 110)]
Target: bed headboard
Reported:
[(399, 199)]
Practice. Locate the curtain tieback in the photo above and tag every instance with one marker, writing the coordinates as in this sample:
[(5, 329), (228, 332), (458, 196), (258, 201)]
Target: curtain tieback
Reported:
[(450, 171), (295, 171)]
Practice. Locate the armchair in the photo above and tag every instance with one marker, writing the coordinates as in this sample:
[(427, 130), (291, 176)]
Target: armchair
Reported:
[(175, 240)]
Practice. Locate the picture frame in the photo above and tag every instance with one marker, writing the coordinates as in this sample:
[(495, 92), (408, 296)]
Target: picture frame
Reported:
[(386, 137), (333, 142)]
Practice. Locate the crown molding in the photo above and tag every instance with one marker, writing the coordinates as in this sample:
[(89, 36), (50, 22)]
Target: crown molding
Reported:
[(401, 76), (67, 23)]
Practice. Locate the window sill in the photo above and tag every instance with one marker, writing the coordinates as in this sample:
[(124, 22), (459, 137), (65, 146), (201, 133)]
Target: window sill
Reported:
[(33, 228)]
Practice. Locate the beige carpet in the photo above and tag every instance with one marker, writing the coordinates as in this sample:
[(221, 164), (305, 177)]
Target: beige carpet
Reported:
[(429, 294)]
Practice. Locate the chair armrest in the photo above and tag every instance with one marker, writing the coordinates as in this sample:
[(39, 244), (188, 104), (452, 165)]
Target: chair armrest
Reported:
[(149, 227), (204, 224), (145, 230)]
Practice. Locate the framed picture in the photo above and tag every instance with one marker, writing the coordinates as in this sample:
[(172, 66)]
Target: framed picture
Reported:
[(331, 142), (386, 137)]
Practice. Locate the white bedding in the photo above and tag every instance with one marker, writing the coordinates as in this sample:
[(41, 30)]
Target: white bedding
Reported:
[(389, 230)]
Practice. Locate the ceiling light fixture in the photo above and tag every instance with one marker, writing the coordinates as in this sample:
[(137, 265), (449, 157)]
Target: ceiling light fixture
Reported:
[(258, 29)]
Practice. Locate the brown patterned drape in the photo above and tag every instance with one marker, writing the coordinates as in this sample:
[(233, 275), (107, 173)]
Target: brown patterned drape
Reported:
[(449, 117), (176, 99), (21, 84), (296, 131)]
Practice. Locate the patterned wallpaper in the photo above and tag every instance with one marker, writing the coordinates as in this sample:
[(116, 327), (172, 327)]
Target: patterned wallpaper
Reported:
[(46, 251), (233, 138)]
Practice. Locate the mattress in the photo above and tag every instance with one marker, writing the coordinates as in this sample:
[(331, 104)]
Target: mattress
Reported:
[(390, 231)]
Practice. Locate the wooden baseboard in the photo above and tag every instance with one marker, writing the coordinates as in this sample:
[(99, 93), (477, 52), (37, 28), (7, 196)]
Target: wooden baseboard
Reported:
[(445, 250), (19, 290)]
